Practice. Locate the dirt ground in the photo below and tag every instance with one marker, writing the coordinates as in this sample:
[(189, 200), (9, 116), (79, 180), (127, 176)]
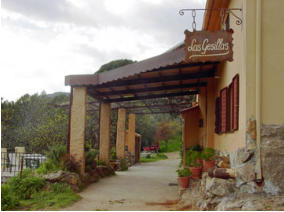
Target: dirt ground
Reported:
[(147, 186)]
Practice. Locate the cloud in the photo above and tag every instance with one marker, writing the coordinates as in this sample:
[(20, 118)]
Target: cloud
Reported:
[(44, 40)]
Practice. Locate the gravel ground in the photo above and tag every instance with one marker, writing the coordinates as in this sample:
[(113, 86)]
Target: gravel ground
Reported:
[(143, 187)]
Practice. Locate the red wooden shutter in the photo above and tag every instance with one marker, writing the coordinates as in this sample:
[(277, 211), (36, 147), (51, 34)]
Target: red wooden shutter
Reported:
[(224, 109), (217, 116), (231, 106), (236, 102)]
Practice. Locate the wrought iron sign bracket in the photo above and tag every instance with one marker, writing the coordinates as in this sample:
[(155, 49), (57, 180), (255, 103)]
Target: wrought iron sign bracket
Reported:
[(223, 12)]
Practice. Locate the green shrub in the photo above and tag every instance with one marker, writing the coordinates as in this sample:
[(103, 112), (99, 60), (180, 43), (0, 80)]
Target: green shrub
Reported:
[(162, 146), (26, 185), (47, 167), (58, 195), (27, 192), (101, 163), (192, 157), (90, 158), (185, 172), (113, 153), (148, 156), (123, 165), (197, 147), (161, 156), (72, 165), (56, 154), (153, 158), (208, 154), (172, 145), (8, 199), (59, 188)]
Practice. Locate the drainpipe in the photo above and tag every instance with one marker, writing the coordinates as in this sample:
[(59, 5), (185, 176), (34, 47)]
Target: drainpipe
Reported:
[(258, 88)]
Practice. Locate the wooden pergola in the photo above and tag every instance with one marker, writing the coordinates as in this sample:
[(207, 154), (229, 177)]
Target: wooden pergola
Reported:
[(161, 84)]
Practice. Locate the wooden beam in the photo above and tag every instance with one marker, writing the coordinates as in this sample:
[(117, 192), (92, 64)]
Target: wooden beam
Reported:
[(153, 96), (196, 75), (187, 65), (159, 112), (141, 107), (150, 89)]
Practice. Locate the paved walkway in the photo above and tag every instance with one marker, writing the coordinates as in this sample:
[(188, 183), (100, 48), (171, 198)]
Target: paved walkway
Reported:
[(143, 187)]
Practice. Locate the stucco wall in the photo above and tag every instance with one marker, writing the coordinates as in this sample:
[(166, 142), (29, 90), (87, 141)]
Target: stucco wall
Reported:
[(272, 74), (272, 62), (226, 71)]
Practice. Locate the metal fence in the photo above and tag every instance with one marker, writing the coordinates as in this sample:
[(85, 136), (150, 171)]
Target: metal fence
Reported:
[(14, 163)]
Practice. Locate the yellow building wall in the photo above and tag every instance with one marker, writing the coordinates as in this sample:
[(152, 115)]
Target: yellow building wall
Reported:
[(272, 34), (228, 142), (272, 62), (244, 64)]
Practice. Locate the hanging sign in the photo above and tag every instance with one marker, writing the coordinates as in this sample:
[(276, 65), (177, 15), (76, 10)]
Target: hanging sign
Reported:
[(204, 46)]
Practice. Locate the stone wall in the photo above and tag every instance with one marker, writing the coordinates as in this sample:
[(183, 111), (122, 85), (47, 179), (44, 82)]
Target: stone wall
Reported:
[(272, 161), (272, 156), (242, 192), (129, 157)]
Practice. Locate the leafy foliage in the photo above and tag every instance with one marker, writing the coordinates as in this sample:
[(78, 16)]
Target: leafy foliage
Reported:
[(32, 192), (192, 157), (123, 165), (8, 199), (56, 154), (90, 159), (113, 153), (56, 160), (197, 147), (185, 172), (33, 122), (208, 154), (47, 167), (114, 64), (72, 165), (163, 132), (153, 158), (27, 184), (20, 187), (56, 196), (174, 144)]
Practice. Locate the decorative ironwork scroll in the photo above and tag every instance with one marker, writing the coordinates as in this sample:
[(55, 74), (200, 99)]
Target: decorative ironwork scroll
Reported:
[(222, 10)]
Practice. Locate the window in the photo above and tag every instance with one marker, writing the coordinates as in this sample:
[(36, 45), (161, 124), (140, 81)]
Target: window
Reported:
[(224, 110), (217, 116), (235, 103), (227, 108)]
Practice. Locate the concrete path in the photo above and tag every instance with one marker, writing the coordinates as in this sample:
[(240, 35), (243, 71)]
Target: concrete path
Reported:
[(143, 187)]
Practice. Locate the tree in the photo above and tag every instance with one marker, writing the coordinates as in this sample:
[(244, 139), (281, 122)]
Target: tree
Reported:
[(114, 64), (33, 122)]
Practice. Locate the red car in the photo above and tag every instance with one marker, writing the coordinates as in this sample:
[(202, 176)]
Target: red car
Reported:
[(153, 148)]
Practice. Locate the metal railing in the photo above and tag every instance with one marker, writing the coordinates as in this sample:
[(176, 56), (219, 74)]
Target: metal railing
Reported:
[(14, 163)]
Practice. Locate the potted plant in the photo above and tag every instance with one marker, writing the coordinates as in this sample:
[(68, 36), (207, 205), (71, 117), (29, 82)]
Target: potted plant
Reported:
[(184, 177), (198, 148), (193, 161), (208, 156)]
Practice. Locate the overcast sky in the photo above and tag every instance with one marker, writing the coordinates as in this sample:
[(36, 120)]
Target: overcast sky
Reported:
[(44, 40)]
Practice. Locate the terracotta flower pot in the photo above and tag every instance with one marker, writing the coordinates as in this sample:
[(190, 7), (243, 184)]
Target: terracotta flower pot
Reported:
[(196, 172), (199, 161), (183, 181), (208, 164)]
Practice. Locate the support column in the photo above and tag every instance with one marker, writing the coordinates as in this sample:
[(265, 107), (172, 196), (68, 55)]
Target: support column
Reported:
[(131, 133), (4, 156), (183, 139), (120, 133), (105, 112), (78, 126)]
